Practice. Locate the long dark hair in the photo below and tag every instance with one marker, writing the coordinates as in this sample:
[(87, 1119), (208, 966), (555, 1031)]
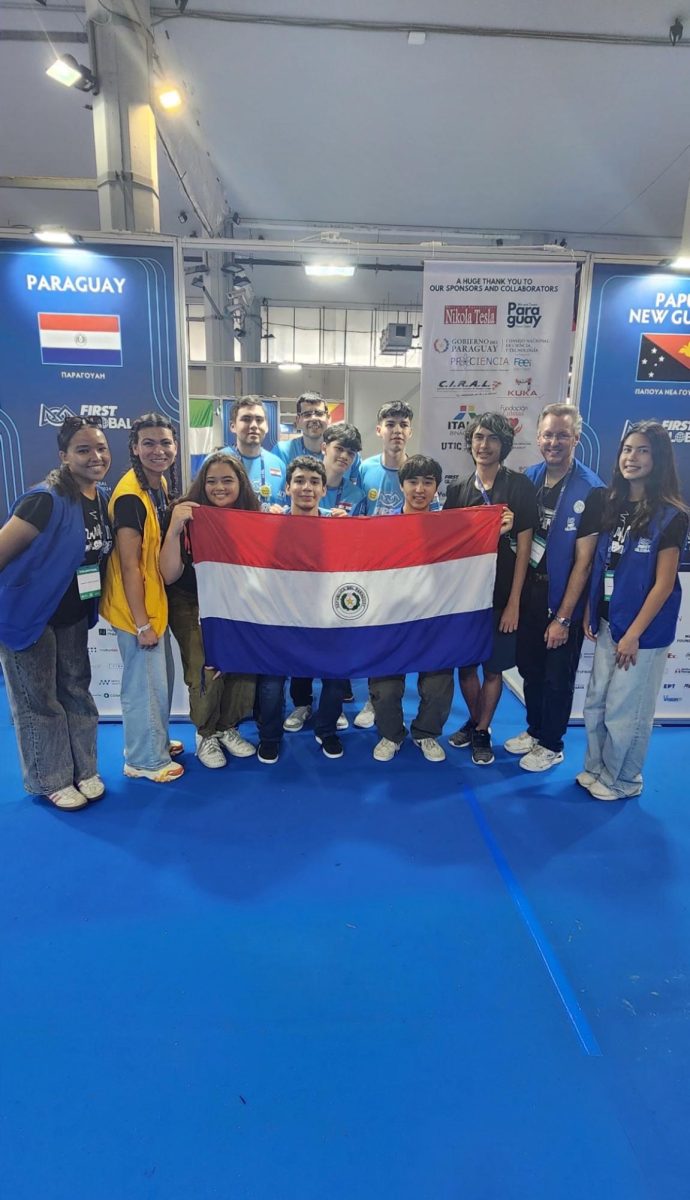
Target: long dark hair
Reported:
[(661, 487), (61, 478), (247, 499), (152, 420)]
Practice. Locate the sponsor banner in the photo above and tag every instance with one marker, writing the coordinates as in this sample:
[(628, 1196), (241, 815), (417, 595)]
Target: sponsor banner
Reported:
[(106, 675), (637, 366), (496, 338), (88, 331)]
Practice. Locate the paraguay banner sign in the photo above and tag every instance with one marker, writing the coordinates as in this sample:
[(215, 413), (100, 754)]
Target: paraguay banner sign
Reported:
[(637, 366), (88, 330), (496, 338), (333, 599)]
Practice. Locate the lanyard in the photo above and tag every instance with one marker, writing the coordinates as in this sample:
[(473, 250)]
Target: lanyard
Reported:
[(486, 499), (245, 457), (339, 494), (540, 497)]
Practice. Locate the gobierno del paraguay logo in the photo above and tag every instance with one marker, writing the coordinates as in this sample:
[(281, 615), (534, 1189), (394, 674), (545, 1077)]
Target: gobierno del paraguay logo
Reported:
[(350, 601)]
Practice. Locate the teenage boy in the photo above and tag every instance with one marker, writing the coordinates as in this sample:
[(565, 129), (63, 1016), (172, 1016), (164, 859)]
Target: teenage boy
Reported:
[(489, 439), (312, 421), (341, 444), (550, 633), (419, 479), (306, 489), (379, 474), (266, 471)]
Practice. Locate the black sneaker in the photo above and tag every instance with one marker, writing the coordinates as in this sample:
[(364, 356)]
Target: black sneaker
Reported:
[(349, 698), (268, 752), (331, 745), (462, 738), (482, 752)]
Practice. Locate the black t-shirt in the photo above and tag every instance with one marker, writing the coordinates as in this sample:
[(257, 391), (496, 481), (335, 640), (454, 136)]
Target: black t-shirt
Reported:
[(187, 580), (519, 493), (36, 509), (673, 536), (130, 512)]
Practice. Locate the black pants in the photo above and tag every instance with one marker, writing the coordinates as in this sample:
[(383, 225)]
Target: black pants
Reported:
[(548, 675), (301, 692)]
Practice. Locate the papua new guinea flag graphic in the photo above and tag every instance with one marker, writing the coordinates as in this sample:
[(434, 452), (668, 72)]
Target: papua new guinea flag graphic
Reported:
[(665, 357)]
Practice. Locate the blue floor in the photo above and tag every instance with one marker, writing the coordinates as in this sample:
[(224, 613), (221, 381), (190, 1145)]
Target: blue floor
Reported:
[(347, 980)]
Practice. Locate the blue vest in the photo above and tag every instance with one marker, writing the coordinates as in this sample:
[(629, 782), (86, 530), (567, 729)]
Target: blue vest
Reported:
[(562, 535), (32, 585), (632, 582)]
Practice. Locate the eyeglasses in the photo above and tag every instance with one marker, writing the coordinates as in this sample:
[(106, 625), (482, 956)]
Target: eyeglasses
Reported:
[(314, 412), (561, 438)]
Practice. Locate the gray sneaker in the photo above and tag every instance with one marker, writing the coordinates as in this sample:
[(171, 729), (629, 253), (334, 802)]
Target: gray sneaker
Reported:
[(297, 718), (209, 753), (462, 738), (365, 718)]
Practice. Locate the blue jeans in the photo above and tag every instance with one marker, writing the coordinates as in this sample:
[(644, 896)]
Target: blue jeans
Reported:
[(146, 695), (270, 696), (55, 718), (619, 714)]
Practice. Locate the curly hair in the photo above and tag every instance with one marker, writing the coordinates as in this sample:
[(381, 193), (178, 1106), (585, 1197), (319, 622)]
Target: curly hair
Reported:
[(661, 486), (152, 420), (61, 478), (247, 498)]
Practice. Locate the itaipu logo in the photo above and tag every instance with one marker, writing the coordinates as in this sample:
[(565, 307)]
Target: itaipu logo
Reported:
[(350, 602)]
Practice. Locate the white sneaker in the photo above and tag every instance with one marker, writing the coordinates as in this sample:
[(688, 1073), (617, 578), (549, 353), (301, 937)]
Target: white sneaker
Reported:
[(68, 797), (599, 791), (522, 743), (235, 744), (93, 787), (342, 722), (540, 759), (296, 719), (209, 753), (365, 718), (431, 749), (385, 750), (586, 779)]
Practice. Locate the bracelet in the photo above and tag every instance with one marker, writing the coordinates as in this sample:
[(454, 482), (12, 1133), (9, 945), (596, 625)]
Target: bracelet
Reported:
[(564, 621), (143, 628)]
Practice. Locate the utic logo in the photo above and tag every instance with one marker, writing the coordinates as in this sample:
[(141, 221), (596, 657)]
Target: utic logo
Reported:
[(664, 357)]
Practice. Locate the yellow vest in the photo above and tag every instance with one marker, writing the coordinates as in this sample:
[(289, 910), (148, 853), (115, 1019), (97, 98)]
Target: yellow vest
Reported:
[(114, 606)]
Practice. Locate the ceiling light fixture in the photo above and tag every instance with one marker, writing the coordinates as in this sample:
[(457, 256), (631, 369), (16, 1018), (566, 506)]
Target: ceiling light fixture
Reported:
[(169, 97), (416, 37), (329, 270), (682, 263), (55, 237), (289, 366), (68, 71)]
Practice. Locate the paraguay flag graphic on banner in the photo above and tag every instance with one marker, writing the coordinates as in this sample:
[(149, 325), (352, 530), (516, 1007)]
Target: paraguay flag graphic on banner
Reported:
[(665, 357), (348, 598), (80, 340)]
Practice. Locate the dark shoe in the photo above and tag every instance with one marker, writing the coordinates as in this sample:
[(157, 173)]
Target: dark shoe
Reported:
[(331, 745), (268, 752), (462, 738), (482, 752)]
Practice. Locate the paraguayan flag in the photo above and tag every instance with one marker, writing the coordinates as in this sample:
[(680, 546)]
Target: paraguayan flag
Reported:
[(80, 340)]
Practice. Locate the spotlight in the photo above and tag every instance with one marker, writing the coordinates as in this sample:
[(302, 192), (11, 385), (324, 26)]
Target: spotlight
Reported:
[(169, 97), (675, 33), (68, 71), (54, 237)]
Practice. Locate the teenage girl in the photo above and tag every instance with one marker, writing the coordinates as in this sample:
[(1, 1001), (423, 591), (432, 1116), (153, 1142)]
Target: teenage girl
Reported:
[(53, 550), (216, 701), (135, 603), (634, 600)]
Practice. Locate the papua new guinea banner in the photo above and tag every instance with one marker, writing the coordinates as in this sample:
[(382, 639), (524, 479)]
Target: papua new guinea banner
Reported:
[(496, 338), (88, 330), (637, 366)]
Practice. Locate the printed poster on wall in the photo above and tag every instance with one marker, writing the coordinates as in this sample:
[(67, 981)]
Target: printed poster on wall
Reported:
[(88, 330), (636, 367), (496, 338)]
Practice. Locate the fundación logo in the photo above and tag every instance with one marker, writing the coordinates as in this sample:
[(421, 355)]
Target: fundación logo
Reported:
[(350, 601)]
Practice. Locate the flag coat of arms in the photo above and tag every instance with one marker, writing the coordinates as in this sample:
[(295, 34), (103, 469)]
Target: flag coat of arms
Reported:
[(80, 340), (345, 598)]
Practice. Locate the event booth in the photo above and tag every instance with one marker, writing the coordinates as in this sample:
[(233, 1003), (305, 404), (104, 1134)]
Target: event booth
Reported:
[(118, 325)]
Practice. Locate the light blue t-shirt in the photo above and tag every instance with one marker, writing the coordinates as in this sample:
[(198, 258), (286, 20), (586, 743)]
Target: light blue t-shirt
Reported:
[(292, 448), (266, 474), (348, 496)]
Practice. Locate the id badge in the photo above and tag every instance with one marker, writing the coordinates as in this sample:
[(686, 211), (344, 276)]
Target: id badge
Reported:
[(608, 585), (88, 582), (537, 551)]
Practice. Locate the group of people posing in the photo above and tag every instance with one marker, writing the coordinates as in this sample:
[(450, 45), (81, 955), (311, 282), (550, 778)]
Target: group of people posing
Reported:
[(575, 558)]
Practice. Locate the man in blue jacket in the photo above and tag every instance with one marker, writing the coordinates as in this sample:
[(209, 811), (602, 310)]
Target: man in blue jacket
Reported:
[(549, 637)]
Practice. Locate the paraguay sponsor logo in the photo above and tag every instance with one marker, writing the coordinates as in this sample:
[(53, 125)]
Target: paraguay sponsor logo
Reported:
[(350, 601), (470, 314)]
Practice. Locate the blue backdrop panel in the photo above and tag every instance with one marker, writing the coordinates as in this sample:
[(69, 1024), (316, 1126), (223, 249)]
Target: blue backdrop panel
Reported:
[(88, 330), (637, 362)]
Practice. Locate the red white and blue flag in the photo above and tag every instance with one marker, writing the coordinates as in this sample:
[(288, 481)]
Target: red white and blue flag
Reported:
[(80, 340), (348, 598)]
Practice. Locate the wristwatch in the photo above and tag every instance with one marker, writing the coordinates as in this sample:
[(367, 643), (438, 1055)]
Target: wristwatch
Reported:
[(564, 621)]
